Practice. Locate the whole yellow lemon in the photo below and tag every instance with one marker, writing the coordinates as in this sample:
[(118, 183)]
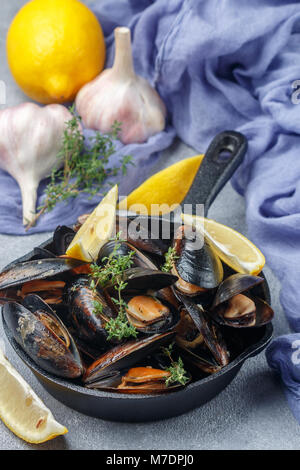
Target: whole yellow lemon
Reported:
[(54, 47)]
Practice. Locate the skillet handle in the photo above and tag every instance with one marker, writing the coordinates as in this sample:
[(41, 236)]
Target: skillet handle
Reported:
[(215, 170)]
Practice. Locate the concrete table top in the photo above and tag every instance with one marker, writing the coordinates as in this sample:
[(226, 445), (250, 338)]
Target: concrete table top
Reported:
[(251, 413)]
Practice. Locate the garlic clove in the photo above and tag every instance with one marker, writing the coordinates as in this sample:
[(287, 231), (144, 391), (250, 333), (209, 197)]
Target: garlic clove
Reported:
[(118, 94), (29, 196), (30, 140)]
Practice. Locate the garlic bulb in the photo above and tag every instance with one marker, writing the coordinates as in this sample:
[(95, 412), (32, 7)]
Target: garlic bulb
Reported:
[(118, 94), (30, 140)]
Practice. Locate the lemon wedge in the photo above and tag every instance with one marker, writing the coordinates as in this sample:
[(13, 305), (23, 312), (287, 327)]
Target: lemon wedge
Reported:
[(96, 230), (21, 409), (165, 190), (232, 247)]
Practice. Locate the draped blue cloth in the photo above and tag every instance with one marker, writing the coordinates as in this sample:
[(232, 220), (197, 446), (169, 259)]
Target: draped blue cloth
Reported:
[(218, 65)]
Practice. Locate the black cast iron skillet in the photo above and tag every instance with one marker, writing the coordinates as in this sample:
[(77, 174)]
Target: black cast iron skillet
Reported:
[(223, 156)]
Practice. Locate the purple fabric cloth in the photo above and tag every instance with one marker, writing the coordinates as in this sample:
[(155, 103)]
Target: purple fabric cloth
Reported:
[(283, 355), (219, 65)]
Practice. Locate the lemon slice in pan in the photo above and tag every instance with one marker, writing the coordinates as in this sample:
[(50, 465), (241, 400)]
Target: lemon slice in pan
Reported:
[(21, 409), (232, 247), (96, 230)]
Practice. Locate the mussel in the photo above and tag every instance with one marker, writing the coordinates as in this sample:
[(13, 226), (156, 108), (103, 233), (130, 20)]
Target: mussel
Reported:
[(124, 248), (37, 269), (187, 334), (148, 234), (123, 357), (43, 336), (42, 253), (198, 268), (140, 380), (235, 306), (50, 291), (150, 315), (209, 337), (192, 346), (140, 260), (143, 380), (88, 320), (201, 358), (62, 238), (145, 280)]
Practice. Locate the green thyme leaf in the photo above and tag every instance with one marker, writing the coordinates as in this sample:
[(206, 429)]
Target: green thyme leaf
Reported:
[(178, 373), (170, 258), (176, 369), (98, 308), (86, 168), (112, 272), (119, 328)]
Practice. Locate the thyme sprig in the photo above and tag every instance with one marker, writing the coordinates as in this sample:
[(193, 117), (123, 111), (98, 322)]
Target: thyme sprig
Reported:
[(85, 167), (176, 369), (112, 272), (170, 258)]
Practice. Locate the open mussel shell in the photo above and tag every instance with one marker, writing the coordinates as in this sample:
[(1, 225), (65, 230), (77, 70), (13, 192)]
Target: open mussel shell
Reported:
[(187, 334), (264, 313), (34, 303), (201, 358), (150, 315), (138, 380), (233, 285), (109, 383), (42, 253), (124, 248), (192, 347), (167, 295), (242, 311), (88, 352), (124, 356), (62, 238), (36, 269), (148, 234), (50, 291), (197, 266), (234, 306), (9, 295), (144, 280), (87, 321), (210, 331), (43, 336)]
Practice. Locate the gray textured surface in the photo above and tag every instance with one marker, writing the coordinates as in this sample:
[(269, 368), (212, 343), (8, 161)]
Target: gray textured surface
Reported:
[(250, 414)]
